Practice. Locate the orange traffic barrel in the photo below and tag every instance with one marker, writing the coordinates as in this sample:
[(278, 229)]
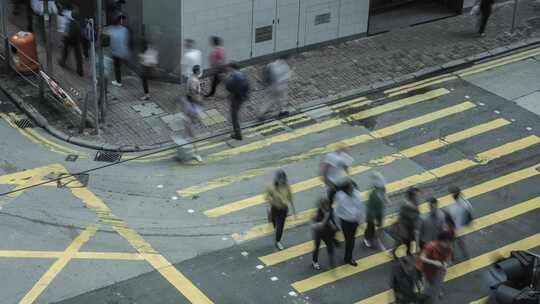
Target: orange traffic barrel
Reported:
[(24, 50)]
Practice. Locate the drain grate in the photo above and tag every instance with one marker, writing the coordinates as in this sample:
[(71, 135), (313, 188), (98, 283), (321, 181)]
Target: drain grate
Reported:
[(24, 123), (106, 156)]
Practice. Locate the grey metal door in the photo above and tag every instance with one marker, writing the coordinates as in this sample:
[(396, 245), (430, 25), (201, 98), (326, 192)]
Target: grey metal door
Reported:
[(322, 22), (287, 23), (264, 19)]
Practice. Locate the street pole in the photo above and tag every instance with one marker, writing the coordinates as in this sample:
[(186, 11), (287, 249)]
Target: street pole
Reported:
[(4, 35), (101, 67), (94, 75), (514, 18), (48, 38)]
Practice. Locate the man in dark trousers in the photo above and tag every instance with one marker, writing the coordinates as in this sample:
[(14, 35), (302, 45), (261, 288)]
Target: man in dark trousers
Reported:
[(73, 41), (238, 87), (486, 7)]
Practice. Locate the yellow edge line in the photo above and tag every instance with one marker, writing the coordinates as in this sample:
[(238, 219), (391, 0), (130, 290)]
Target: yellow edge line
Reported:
[(414, 84), (498, 64), (422, 86)]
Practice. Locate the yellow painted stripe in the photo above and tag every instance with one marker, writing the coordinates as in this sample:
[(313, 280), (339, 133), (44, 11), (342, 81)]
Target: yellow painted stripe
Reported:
[(415, 84), (425, 85), (22, 177), (347, 106), (57, 266), (348, 103), (156, 260), (481, 301), (380, 258), (325, 125), (472, 192), (467, 267), (314, 182), (26, 254), (499, 62), (452, 168)]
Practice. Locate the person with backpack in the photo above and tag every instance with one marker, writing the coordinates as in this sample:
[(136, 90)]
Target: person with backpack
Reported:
[(433, 263), (192, 106), (407, 222), (238, 87), (351, 212), (375, 209), (324, 229), (334, 167), (73, 41), (461, 216), (431, 224), (279, 196), (276, 75)]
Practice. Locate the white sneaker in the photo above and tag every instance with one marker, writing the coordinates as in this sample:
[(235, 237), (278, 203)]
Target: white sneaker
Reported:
[(316, 266), (197, 157), (145, 97), (367, 243), (116, 83), (279, 246)]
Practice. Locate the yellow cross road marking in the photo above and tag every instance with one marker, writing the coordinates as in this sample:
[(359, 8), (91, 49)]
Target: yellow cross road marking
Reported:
[(428, 176), (227, 180), (160, 263), (21, 177), (468, 266), (380, 258), (26, 254), (314, 182), (472, 192), (53, 271), (325, 125)]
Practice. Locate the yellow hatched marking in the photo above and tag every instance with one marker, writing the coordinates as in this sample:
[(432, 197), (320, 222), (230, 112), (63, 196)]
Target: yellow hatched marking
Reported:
[(62, 261), (428, 176), (314, 182), (378, 259), (328, 124), (467, 267)]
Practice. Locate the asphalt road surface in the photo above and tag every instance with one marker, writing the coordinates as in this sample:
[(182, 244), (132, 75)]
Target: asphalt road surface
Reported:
[(152, 230)]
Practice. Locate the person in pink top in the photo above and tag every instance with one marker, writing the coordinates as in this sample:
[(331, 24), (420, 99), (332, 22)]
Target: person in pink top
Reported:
[(217, 61)]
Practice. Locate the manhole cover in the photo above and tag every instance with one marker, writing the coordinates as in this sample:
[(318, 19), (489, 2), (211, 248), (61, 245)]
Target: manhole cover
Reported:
[(24, 123), (106, 156)]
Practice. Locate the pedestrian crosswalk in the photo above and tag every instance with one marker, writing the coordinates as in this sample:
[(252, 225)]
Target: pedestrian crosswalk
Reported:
[(441, 138)]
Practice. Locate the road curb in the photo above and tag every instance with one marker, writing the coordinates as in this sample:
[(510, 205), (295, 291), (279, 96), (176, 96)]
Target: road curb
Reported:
[(427, 72)]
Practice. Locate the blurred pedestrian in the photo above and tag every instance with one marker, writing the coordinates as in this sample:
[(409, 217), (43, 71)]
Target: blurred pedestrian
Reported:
[(433, 262), (277, 75), (218, 61), (407, 222), (238, 87), (461, 213), (63, 19), (375, 210), (351, 212), (486, 8), (149, 61), (279, 196), (431, 224), (38, 8), (324, 229), (405, 281), (191, 58), (120, 50), (192, 106), (335, 167), (87, 34), (73, 41)]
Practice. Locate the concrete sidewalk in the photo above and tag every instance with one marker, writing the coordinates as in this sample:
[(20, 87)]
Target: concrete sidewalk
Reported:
[(319, 76)]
